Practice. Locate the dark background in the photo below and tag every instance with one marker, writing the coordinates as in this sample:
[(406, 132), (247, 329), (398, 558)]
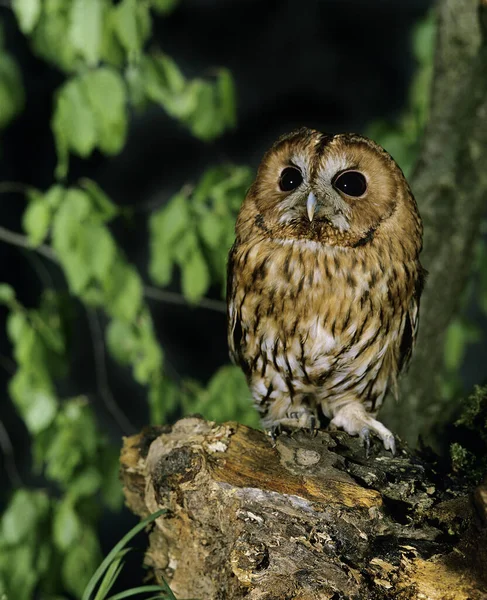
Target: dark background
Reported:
[(335, 65)]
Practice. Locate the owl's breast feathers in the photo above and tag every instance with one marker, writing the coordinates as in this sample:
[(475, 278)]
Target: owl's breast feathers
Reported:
[(323, 320)]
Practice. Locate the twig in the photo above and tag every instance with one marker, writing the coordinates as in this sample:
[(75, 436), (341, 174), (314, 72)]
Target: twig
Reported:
[(40, 269), (8, 453), (176, 298), (13, 187), (17, 239), (101, 375)]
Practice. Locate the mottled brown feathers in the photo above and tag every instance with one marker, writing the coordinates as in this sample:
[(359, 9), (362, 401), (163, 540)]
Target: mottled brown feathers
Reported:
[(323, 313)]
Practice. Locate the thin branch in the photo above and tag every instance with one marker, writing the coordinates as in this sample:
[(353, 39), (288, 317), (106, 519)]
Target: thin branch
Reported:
[(8, 453), (101, 375), (176, 298), (40, 269), (17, 239), (13, 187)]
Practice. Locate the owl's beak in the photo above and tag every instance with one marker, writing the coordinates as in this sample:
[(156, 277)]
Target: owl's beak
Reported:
[(311, 205)]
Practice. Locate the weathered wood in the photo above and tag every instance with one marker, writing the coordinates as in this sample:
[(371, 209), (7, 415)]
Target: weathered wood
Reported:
[(310, 518)]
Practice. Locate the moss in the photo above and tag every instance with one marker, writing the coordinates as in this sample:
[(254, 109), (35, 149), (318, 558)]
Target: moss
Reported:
[(469, 454)]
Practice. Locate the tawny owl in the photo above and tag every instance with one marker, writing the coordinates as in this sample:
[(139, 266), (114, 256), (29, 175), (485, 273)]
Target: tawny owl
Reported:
[(324, 282)]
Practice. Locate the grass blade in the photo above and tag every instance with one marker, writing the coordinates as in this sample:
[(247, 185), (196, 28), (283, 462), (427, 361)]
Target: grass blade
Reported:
[(111, 575), (138, 590), (115, 550)]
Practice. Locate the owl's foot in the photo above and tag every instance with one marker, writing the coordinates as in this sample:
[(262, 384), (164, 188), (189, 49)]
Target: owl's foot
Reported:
[(301, 419), (353, 419)]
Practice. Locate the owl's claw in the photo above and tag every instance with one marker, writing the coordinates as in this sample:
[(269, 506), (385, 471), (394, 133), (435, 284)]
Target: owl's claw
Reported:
[(355, 421), (365, 437), (274, 432), (313, 426)]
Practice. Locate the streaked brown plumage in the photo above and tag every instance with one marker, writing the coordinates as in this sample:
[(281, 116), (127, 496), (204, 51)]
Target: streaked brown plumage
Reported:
[(323, 285)]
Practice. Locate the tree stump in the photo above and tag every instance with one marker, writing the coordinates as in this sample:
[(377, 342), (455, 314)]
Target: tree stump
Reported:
[(304, 518)]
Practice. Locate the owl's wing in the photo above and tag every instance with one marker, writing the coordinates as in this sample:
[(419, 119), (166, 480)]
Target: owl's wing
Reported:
[(412, 322), (234, 326)]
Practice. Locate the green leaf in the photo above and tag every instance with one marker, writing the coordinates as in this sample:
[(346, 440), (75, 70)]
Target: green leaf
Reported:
[(123, 292), (226, 92), (163, 7), (106, 96), (73, 442), (80, 561), (211, 228), (455, 345), (105, 208), (54, 196), (195, 277), (167, 226), (122, 340), (7, 294), (125, 23), (67, 526), (170, 222), (86, 483), (27, 13), (70, 240), (24, 511), (111, 487), (166, 85), (49, 38), (228, 382), (164, 397), (19, 572), (98, 250), (149, 360), (34, 398), (36, 219), (11, 89), (85, 31), (73, 124), (205, 122)]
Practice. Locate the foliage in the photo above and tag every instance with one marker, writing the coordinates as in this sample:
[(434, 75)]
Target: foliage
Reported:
[(402, 138), (469, 454), (107, 573), (195, 230), (101, 46)]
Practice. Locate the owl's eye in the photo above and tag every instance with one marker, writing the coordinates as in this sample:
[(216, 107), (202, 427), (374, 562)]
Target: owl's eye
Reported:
[(290, 179), (351, 183)]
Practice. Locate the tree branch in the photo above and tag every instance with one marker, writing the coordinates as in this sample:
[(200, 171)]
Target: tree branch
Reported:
[(17, 239), (450, 185), (309, 518)]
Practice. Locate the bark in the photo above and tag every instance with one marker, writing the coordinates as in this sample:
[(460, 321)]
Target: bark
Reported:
[(309, 518), (450, 185)]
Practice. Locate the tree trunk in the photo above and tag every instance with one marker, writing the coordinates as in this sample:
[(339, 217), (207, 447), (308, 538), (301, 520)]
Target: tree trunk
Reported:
[(450, 185), (306, 518)]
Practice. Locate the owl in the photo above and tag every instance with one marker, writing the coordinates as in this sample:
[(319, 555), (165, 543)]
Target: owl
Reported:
[(324, 283)]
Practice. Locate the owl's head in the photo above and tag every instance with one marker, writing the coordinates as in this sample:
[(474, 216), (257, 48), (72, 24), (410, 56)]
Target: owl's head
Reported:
[(335, 189)]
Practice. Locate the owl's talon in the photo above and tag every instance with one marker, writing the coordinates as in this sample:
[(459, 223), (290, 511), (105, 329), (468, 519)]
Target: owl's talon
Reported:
[(365, 437), (354, 420), (389, 443), (274, 432)]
